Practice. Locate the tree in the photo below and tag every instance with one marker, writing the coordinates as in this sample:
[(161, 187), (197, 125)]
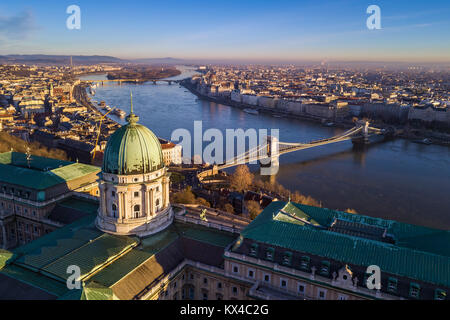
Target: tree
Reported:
[(203, 202), (8, 142), (186, 196), (241, 179), (229, 208), (307, 200), (176, 177), (253, 208)]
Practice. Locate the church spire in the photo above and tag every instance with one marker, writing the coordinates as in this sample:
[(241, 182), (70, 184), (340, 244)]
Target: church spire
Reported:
[(131, 101), (132, 118)]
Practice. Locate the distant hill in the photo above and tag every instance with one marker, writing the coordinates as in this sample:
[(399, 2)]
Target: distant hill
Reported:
[(57, 59), (46, 59), (167, 60)]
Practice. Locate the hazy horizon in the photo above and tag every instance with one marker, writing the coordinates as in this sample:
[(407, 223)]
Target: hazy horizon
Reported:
[(284, 31)]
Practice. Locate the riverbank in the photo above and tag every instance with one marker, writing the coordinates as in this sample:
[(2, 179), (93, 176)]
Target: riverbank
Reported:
[(412, 134), (276, 113)]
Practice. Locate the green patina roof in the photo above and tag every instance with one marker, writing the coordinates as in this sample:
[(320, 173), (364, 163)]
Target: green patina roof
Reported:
[(132, 149), (80, 204), (293, 214), (205, 234), (419, 253), (34, 162), (37, 280), (95, 291), (104, 259), (152, 245), (40, 173), (5, 256)]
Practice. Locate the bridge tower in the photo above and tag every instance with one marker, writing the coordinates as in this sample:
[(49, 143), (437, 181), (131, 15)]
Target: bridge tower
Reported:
[(365, 132), (363, 139), (270, 165)]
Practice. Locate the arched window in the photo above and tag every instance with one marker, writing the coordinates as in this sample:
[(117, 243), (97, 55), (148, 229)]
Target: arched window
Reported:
[(137, 211), (114, 210)]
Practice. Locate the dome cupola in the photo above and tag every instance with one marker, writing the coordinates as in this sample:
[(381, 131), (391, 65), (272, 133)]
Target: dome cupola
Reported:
[(132, 149), (134, 183)]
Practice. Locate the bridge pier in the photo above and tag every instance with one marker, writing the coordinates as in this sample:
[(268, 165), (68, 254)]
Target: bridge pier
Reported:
[(363, 139), (269, 166)]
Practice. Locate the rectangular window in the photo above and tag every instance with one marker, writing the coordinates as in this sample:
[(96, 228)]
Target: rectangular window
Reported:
[(440, 294), (267, 278), (270, 253), (251, 273), (414, 290), (254, 250), (235, 268), (287, 257), (325, 269), (342, 297), (234, 290), (301, 288), (304, 263), (392, 285), (283, 283), (136, 194), (219, 285), (322, 294)]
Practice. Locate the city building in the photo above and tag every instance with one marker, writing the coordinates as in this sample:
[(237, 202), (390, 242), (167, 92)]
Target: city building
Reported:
[(136, 247), (36, 195), (172, 153)]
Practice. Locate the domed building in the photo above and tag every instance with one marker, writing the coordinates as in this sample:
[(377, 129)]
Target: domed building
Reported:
[(134, 184)]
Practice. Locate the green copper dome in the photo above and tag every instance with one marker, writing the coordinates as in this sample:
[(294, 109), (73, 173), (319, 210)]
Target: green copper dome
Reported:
[(132, 149)]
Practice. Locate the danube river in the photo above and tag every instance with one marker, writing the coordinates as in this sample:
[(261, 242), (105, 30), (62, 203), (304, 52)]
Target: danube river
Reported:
[(398, 180)]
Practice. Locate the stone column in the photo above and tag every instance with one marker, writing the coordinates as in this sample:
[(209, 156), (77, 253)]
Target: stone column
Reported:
[(165, 192), (103, 205), (152, 202), (147, 201), (123, 207), (4, 244)]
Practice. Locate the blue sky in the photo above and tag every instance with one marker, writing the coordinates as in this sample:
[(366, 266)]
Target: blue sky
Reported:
[(252, 30)]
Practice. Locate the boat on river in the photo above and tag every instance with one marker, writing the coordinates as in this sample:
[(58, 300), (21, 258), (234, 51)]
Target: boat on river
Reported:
[(423, 141), (119, 112), (251, 111)]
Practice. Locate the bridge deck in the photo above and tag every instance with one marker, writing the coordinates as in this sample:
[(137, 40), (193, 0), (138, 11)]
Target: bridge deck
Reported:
[(286, 147)]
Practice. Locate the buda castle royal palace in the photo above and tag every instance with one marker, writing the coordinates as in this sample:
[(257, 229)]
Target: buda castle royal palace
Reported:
[(75, 231)]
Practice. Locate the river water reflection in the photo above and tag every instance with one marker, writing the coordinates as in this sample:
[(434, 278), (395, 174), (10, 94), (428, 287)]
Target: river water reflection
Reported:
[(397, 180)]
